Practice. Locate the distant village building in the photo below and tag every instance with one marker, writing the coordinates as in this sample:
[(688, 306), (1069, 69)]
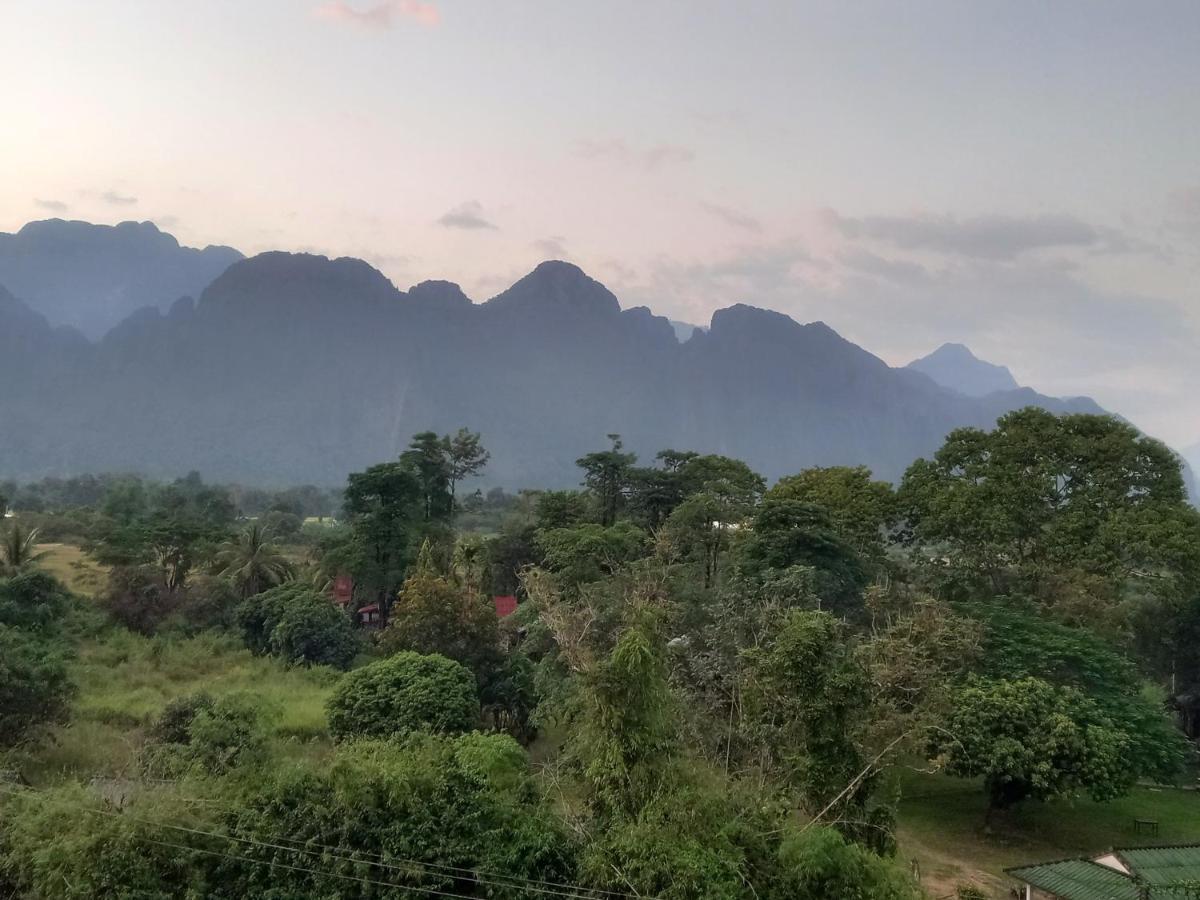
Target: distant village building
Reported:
[(370, 616), (1139, 873)]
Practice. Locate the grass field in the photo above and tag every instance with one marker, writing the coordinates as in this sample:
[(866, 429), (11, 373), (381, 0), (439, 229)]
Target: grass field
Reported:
[(125, 680), (942, 828), (73, 567)]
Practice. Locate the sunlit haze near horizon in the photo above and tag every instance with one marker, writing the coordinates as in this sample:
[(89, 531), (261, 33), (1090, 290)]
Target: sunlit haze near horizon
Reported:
[(1020, 177)]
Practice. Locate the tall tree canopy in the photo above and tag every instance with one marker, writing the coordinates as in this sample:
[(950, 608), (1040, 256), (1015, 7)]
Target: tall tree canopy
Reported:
[(606, 474), (1041, 494)]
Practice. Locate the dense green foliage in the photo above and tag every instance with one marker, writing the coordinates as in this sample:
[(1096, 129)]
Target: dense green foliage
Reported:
[(404, 693), (1027, 738), (298, 624), (34, 687), (718, 681)]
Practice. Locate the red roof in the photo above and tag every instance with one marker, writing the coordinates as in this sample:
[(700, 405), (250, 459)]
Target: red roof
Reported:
[(506, 605), (369, 608)]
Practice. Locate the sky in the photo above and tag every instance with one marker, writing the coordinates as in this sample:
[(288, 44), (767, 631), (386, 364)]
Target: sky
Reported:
[(1022, 177)]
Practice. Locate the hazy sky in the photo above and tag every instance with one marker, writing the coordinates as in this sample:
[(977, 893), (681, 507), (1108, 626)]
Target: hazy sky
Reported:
[(1020, 176)]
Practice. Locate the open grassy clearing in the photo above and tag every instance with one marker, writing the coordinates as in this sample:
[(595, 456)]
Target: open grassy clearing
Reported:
[(73, 567), (942, 828), (125, 680)]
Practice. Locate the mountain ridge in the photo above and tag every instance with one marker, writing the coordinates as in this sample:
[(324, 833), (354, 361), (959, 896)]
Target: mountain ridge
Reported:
[(297, 367), (91, 277)]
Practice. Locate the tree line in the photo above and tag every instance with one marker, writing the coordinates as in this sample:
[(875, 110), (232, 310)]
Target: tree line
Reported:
[(719, 676)]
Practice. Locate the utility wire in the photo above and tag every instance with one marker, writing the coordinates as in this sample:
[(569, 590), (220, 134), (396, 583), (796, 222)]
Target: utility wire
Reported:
[(464, 874), (457, 870)]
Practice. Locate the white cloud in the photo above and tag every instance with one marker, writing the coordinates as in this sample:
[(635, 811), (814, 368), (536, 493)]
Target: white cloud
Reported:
[(468, 216)]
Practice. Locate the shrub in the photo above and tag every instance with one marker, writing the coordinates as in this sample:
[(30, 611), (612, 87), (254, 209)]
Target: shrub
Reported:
[(401, 694), (212, 735), (51, 847), (313, 631), (820, 863), (465, 801), (34, 686), (33, 601), (210, 602), (138, 598)]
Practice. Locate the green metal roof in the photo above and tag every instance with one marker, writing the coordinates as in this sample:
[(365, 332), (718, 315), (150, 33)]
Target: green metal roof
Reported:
[(1163, 865), (1160, 871), (1078, 879)]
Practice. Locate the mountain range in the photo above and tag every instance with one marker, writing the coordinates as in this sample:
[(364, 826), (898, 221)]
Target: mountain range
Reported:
[(292, 368), (92, 276)]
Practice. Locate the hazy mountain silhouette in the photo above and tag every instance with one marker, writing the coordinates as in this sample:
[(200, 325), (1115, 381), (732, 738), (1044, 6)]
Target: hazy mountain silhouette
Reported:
[(92, 276), (294, 367), (956, 367), (684, 330)]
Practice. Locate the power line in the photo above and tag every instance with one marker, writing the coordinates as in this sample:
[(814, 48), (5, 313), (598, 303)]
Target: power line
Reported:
[(471, 875), (457, 870)]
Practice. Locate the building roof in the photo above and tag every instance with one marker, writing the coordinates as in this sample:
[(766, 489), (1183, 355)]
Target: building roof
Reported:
[(506, 605), (1163, 865), (1159, 872), (1078, 879)]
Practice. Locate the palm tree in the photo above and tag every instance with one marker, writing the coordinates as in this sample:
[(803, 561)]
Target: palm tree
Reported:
[(18, 550), (253, 561)]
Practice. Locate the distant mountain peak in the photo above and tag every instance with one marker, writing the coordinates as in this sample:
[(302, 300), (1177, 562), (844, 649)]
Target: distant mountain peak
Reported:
[(278, 279), (437, 293), (93, 276), (554, 286), (954, 366)]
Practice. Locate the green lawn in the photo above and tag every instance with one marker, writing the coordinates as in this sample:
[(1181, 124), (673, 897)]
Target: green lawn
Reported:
[(941, 826)]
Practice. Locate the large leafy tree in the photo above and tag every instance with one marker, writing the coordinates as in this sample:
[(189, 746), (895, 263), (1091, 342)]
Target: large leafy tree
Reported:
[(859, 508), (299, 624), (312, 631), (1029, 739), (428, 459), (467, 457), (607, 474), (1042, 494), (433, 614), (1019, 643), (788, 533), (386, 506), (252, 561), (590, 552)]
